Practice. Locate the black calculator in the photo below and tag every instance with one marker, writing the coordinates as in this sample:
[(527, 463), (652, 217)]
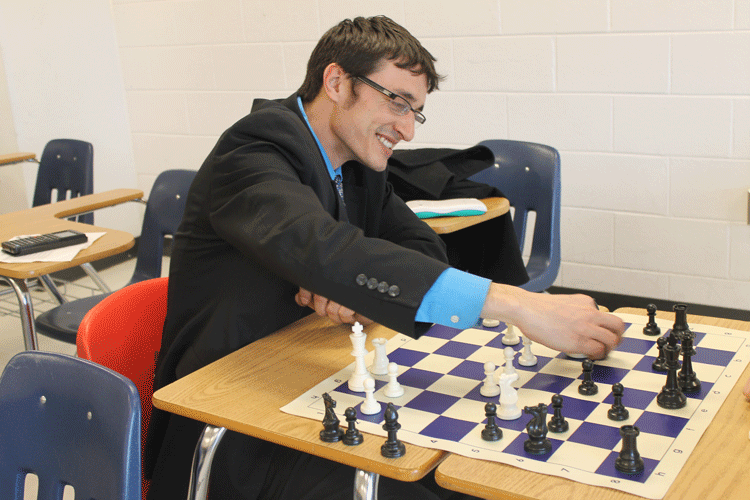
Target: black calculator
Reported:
[(50, 241)]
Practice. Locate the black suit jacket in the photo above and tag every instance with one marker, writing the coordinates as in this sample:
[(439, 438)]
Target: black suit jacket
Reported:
[(262, 219)]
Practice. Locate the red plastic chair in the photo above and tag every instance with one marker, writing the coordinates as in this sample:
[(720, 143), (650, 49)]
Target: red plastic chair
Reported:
[(123, 333)]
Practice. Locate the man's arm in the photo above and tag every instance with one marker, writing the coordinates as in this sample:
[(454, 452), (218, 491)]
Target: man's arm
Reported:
[(567, 323)]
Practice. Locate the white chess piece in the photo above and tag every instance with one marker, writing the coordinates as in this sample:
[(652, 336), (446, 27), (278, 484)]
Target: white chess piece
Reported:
[(509, 354), (393, 389), (380, 363), (490, 323), (527, 358), (359, 352), (511, 336), (370, 406), (509, 409), (489, 388)]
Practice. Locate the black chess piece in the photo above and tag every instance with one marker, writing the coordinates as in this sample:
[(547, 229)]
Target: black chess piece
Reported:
[(587, 387), (557, 423), (392, 448), (618, 412), (671, 396), (331, 432), (537, 444), (629, 461), (491, 431), (687, 378), (352, 436), (660, 363), (651, 327), (680, 320)]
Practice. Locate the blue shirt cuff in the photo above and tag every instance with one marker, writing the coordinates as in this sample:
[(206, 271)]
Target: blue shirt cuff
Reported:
[(455, 299)]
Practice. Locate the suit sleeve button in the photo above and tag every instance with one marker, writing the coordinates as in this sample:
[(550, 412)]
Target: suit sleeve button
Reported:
[(393, 291), (361, 279), (382, 287), (372, 283)]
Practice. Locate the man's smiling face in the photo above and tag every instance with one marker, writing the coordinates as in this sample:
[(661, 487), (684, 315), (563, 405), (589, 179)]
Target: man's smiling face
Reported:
[(364, 124)]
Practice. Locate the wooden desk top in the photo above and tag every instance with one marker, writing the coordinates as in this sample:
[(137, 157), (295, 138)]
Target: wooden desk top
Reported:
[(49, 218), (724, 445), (495, 208), (10, 158), (244, 391)]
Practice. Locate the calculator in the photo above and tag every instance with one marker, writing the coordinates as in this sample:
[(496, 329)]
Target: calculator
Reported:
[(49, 241)]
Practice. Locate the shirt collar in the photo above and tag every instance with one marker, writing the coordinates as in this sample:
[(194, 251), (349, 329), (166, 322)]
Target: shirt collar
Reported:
[(331, 171)]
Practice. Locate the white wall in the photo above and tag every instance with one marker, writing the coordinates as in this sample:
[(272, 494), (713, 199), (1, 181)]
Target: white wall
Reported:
[(648, 102), (64, 80)]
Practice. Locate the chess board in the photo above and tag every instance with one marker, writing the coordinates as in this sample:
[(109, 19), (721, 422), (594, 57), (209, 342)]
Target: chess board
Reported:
[(442, 408)]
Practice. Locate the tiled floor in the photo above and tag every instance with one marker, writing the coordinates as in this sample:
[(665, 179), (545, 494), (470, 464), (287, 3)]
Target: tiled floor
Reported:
[(11, 338)]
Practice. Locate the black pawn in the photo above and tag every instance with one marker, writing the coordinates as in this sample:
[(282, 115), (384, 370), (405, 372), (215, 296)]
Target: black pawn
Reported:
[(660, 363), (618, 412), (331, 432), (651, 327), (687, 377), (557, 423), (537, 444), (352, 437), (392, 448), (671, 396), (491, 431), (587, 387), (629, 461)]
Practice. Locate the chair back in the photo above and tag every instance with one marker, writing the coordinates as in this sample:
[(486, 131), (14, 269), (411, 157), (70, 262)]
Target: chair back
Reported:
[(66, 166), (72, 423), (164, 210), (123, 333), (529, 176)]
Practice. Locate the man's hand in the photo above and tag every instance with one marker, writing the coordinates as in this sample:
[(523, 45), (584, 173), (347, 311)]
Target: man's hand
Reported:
[(566, 323), (324, 307), (746, 391)]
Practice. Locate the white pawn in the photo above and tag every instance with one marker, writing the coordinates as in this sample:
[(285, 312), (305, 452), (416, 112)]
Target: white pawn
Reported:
[(509, 409), (527, 358), (489, 388), (509, 354), (380, 363), (393, 389), (490, 323), (511, 336), (370, 406)]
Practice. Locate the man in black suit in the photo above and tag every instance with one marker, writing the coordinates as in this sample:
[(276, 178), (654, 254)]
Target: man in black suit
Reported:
[(292, 210)]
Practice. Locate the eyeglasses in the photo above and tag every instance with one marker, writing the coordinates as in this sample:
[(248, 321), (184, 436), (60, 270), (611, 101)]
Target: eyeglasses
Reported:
[(398, 104)]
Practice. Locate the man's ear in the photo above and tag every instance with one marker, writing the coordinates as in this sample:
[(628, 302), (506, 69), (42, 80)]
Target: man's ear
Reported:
[(334, 77)]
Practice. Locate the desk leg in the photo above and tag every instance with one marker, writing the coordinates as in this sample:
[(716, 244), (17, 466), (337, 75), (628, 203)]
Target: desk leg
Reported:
[(26, 309), (202, 459), (365, 485)]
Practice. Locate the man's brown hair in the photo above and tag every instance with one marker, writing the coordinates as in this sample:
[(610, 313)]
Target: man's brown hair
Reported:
[(359, 45)]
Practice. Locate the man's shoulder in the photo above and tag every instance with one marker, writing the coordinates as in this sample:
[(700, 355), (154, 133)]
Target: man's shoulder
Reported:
[(274, 121)]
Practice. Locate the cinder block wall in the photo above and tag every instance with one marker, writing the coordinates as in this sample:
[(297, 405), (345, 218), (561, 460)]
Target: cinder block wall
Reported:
[(648, 102)]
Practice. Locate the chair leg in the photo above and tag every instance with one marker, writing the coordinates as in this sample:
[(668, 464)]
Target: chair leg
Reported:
[(365, 485), (49, 284), (202, 459), (26, 310), (89, 269)]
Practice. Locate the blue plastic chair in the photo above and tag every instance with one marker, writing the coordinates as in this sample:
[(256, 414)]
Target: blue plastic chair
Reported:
[(529, 176), (164, 210), (66, 166), (72, 423)]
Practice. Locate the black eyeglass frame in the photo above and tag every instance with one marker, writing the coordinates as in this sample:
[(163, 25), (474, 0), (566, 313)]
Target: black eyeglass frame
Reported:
[(418, 115)]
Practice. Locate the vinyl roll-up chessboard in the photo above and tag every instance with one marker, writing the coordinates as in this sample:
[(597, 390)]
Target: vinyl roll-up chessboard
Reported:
[(442, 407)]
